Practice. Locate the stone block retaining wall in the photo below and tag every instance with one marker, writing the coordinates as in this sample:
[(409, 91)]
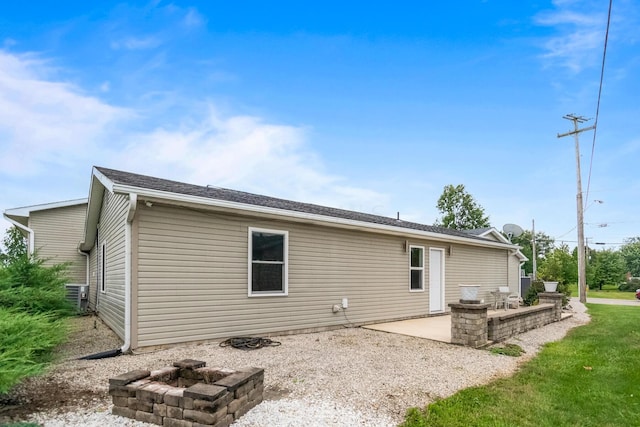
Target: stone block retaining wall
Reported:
[(472, 326), (513, 322), (187, 394), (469, 324)]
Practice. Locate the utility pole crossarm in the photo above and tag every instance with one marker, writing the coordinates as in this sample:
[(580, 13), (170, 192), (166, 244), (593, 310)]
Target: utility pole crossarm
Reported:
[(573, 132)]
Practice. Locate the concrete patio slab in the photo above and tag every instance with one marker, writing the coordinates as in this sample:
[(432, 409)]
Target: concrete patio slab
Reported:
[(436, 328)]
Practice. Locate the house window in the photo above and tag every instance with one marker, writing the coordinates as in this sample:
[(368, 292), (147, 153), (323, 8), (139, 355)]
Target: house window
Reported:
[(416, 268), (103, 267), (268, 264)]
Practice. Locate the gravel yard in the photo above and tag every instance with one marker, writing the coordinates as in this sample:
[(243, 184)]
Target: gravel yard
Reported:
[(339, 378)]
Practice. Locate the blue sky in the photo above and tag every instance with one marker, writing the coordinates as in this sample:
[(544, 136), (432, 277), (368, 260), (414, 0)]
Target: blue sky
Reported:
[(369, 106)]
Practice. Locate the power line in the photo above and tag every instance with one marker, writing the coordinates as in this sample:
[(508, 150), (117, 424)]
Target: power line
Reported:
[(595, 243), (595, 130), (564, 234)]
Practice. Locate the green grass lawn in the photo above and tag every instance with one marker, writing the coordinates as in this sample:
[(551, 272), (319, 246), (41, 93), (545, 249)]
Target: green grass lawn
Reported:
[(590, 378), (606, 292)]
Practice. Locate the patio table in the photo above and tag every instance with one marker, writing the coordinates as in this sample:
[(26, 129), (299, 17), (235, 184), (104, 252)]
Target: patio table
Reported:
[(501, 297)]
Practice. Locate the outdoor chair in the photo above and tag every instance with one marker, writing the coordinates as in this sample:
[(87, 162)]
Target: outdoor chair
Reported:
[(512, 299)]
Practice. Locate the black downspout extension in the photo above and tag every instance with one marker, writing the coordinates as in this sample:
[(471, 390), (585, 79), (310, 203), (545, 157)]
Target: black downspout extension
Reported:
[(102, 355)]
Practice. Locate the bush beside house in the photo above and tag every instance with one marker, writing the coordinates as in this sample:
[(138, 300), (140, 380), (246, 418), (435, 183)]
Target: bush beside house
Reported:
[(32, 312), (537, 286)]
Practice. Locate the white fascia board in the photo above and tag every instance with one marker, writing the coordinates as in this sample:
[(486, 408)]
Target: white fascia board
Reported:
[(493, 231), (521, 256), (12, 215), (24, 211), (24, 229), (106, 182), (303, 216), (96, 191)]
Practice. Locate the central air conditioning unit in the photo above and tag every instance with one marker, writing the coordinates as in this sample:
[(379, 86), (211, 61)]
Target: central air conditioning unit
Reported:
[(78, 295)]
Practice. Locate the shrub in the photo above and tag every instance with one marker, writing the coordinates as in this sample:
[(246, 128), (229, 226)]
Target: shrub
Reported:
[(26, 344), (531, 297), (26, 285), (537, 286), (563, 288), (630, 286), (32, 306)]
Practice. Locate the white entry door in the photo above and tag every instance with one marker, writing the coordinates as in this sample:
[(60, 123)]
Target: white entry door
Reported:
[(436, 280)]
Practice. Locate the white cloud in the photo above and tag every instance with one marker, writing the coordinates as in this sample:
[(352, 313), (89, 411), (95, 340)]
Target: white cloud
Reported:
[(193, 18), (50, 127), (136, 43), (45, 121), (562, 17), (579, 36), (242, 152)]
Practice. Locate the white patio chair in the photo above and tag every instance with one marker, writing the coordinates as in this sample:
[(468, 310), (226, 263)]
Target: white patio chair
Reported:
[(512, 299)]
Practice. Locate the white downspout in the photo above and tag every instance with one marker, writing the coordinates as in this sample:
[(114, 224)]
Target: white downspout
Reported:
[(133, 204), (519, 278), (29, 231), (86, 255)]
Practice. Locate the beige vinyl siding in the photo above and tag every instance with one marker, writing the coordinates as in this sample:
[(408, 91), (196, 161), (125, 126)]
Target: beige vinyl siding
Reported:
[(111, 230), (192, 276), (193, 273), (57, 233), (471, 265)]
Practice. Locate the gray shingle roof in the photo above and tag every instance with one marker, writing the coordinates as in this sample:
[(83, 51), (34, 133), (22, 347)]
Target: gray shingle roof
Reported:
[(165, 185), (478, 231)]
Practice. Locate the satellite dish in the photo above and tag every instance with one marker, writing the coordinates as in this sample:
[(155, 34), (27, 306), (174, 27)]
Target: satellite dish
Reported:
[(512, 230)]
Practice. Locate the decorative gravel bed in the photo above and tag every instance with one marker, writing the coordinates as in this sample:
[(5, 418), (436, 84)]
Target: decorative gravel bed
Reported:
[(347, 377)]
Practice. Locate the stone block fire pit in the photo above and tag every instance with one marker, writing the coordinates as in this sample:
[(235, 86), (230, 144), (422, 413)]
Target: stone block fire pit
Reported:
[(187, 394)]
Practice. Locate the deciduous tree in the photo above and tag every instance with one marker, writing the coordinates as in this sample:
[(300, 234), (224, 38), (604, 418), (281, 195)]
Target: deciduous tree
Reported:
[(459, 210), (559, 265), (607, 268), (630, 252), (544, 246), (14, 246)]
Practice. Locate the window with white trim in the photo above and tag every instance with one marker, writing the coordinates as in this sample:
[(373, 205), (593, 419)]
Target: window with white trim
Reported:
[(103, 267), (268, 263), (416, 268)]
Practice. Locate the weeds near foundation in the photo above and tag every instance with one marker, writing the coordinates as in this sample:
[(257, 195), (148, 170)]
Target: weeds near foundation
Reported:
[(513, 350)]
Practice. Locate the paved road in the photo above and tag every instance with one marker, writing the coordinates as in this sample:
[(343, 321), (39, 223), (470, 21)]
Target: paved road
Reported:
[(610, 301)]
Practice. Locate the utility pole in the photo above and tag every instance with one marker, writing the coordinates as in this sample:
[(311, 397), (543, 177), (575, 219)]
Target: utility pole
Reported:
[(582, 279), (533, 248)]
